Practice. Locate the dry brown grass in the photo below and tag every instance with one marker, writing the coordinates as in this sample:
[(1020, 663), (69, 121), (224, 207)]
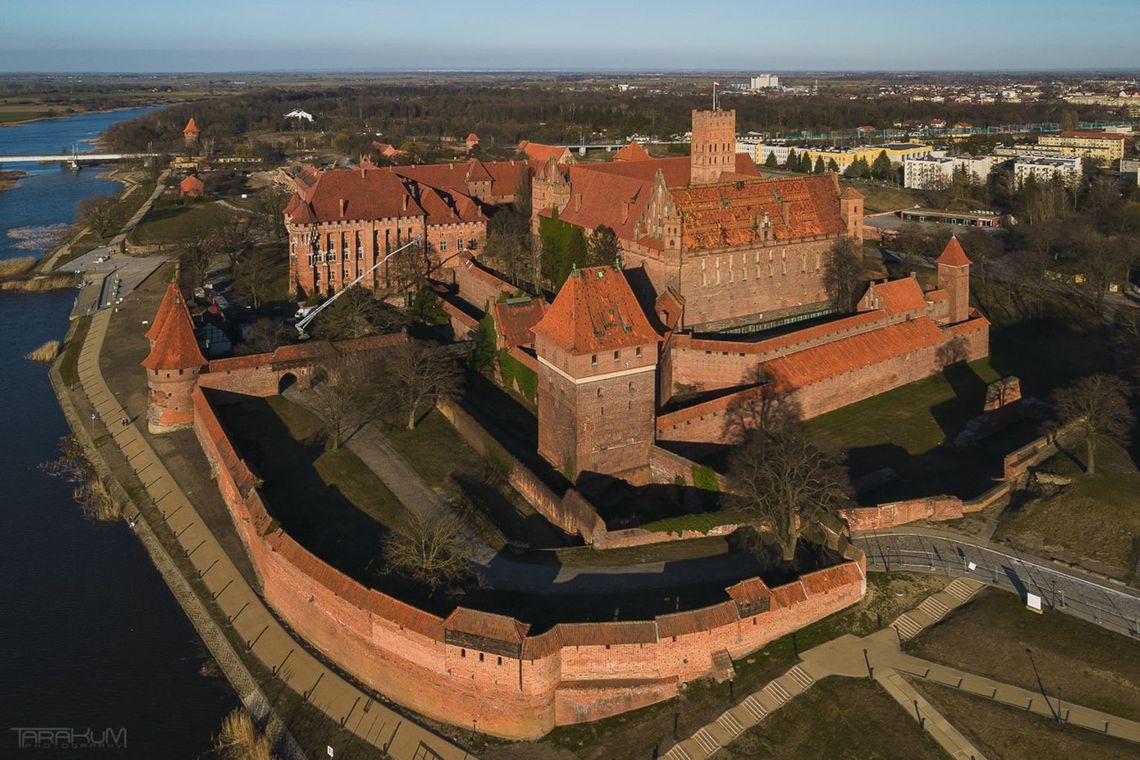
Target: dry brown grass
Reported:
[(39, 284), (16, 267), (91, 490), (240, 739), (44, 353)]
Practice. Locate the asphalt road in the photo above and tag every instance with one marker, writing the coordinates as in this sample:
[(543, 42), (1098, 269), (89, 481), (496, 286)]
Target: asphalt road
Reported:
[(1116, 608)]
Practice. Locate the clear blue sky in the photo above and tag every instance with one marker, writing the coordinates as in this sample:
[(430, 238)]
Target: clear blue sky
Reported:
[(273, 35)]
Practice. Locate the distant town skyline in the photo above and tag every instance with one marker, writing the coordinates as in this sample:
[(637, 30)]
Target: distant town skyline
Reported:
[(362, 35)]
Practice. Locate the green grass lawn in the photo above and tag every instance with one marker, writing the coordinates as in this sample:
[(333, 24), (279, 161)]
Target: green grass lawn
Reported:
[(69, 364), (1000, 731), (1094, 667), (837, 718), (1096, 518), (328, 500), (443, 459), (877, 198), (170, 222)]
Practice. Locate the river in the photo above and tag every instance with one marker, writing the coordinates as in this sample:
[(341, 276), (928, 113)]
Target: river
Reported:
[(90, 636)]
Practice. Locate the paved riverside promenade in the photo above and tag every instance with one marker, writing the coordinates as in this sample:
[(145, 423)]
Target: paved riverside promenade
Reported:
[(266, 638), (880, 656)]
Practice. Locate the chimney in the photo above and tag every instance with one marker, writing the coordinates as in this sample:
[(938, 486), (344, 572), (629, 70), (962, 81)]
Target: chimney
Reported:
[(624, 211), (786, 209), (343, 206), (405, 202), (577, 201)]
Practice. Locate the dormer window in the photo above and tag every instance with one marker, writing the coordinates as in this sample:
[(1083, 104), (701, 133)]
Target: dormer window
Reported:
[(593, 360)]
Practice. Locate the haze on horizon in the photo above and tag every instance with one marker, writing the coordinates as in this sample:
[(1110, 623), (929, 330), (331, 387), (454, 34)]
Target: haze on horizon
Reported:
[(373, 35)]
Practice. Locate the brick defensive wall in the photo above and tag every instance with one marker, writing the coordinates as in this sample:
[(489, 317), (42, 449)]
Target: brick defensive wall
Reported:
[(484, 670)]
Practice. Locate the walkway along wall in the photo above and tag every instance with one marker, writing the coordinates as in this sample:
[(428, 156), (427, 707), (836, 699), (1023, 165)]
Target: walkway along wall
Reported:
[(483, 670)]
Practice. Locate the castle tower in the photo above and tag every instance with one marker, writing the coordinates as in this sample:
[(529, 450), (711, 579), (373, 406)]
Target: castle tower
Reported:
[(172, 366), (713, 146), (597, 357), (851, 209), (190, 133), (954, 278)]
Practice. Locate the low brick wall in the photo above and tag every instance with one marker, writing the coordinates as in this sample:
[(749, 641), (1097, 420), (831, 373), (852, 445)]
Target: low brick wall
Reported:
[(474, 669), (1016, 464), (896, 513), (571, 512)]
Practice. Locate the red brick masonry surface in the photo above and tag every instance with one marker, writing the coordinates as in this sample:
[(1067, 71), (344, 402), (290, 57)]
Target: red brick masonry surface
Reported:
[(483, 670)]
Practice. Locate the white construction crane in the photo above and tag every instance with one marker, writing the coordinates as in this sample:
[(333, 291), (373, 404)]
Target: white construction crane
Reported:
[(305, 320)]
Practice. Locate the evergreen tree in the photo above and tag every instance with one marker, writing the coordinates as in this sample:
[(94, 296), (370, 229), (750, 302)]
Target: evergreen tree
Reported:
[(482, 354), (793, 162), (820, 167), (602, 246), (805, 163), (881, 168), (832, 166), (771, 162)]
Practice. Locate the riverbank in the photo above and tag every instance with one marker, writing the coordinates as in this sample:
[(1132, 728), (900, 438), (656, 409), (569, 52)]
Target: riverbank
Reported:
[(21, 119), (209, 629), (9, 178)]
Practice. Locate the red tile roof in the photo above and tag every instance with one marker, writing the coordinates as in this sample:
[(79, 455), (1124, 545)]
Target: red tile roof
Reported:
[(830, 360), (953, 255), (171, 295), (797, 337), (677, 170), (898, 296), (697, 621), (191, 127), (632, 152), (516, 317), (175, 346), (734, 213), (191, 186), (537, 153), (596, 310), (486, 625)]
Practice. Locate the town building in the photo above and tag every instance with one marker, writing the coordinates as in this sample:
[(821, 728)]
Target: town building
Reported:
[(843, 157), (764, 82), (1045, 168), (191, 187), (343, 222), (1103, 147), (936, 169), (471, 141)]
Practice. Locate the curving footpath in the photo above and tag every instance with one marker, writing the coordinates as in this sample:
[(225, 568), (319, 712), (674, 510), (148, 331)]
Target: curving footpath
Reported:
[(265, 637), (879, 656)]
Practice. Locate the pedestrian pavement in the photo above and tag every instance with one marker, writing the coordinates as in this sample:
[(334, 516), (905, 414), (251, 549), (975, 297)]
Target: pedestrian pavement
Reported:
[(265, 637), (880, 656)]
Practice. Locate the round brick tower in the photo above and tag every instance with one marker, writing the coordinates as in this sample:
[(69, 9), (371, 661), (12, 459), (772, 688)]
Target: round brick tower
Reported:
[(172, 366)]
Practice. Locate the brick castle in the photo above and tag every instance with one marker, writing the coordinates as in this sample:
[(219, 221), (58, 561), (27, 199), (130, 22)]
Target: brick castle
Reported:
[(707, 244)]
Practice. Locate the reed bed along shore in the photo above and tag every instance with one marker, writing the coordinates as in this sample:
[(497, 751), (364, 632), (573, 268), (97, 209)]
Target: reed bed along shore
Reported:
[(44, 353)]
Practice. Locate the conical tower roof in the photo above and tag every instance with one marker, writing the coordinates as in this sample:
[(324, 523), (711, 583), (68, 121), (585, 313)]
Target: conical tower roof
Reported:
[(175, 346), (953, 255), (171, 295)]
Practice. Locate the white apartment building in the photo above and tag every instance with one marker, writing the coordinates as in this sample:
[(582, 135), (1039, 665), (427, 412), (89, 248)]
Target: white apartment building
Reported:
[(1044, 168), (764, 149), (764, 82), (937, 169)]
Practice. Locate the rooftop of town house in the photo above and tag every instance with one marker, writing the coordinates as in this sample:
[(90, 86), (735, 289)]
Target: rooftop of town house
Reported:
[(897, 296), (632, 152), (515, 317)]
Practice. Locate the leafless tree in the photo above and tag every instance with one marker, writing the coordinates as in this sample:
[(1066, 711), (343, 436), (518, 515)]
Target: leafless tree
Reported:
[(356, 314), (198, 249), (783, 479), (233, 237), (344, 397), (1097, 406), (270, 205), (255, 273), (98, 214), (432, 551), (421, 375), (843, 275)]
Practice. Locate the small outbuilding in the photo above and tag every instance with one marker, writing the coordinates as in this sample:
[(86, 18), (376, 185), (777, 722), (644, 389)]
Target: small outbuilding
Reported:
[(191, 187)]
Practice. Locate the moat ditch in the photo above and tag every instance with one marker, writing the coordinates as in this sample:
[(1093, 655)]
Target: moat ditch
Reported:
[(335, 507)]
